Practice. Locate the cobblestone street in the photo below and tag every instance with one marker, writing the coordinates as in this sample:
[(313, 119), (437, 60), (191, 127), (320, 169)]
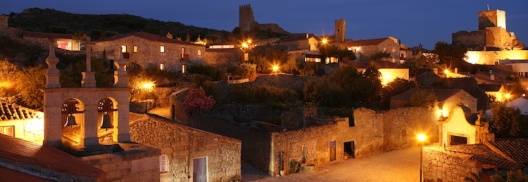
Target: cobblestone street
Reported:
[(399, 165)]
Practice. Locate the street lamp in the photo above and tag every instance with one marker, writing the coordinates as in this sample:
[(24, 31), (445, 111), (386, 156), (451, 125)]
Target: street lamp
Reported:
[(275, 68), (421, 138), (324, 41)]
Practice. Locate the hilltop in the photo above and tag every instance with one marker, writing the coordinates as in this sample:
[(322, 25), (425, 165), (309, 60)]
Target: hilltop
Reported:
[(102, 26)]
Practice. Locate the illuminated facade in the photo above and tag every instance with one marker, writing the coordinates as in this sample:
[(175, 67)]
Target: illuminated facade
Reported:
[(20, 122)]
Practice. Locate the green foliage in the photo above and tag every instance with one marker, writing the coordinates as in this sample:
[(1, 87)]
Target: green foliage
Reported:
[(265, 56), (210, 72), (25, 84), (344, 88), (248, 94), (102, 26), (506, 122), (21, 53), (451, 55), (334, 51)]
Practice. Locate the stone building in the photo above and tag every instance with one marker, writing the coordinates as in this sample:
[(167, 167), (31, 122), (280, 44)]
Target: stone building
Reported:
[(20, 122), (149, 50), (63, 41), (468, 150), (491, 33), (446, 99), (247, 22), (188, 154), (370, 47), (340, 30)]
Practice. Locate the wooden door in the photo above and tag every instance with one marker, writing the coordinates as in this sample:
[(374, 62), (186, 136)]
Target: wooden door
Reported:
[(200, 169), (332, 150)]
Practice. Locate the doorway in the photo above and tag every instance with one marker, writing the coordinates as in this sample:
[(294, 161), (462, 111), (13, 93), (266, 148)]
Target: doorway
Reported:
[(349, 148), (332, 146), (200, 169)]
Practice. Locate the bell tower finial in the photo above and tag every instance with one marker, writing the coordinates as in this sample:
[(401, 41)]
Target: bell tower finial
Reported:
[(52, 74), (88, 76)]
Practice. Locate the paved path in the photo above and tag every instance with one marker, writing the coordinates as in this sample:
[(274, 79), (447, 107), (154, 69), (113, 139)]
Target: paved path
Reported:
[(394, 166)]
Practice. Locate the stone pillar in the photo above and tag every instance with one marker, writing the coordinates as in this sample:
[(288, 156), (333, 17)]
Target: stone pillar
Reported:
[(52, 74), (52, 119), (120, 75), (90, 124), (88, 76), (123, 122)]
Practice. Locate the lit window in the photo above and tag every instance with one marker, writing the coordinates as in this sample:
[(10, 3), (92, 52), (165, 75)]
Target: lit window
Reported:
[(199, 53), (162, 49), (164, 163), (182, 52), (123, 48), (162, 66), (135, 49), (183, 69)]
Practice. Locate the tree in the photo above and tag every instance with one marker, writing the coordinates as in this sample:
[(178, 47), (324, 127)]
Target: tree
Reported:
[(451, 55), (27, 84), (422, 98), (196, 101), (506, 121)]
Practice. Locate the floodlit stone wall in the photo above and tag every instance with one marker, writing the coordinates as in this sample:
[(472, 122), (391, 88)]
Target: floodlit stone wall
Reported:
[(447, 167), (182, 144), (493, 57)]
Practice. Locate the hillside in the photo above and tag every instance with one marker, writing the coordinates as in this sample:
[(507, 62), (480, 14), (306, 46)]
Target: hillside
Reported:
[(102, 26)]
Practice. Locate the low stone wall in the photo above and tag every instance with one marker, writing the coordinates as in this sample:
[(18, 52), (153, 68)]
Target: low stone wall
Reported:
[(446, 167), (182, 144), (136, 164)]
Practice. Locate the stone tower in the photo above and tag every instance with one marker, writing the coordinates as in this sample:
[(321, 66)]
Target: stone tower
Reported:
[(492, 18), (4, 21), (246, 19), (86, 118), (340, 30)]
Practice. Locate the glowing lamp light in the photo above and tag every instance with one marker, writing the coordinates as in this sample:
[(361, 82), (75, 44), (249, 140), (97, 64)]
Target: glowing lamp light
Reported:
[(324, 41), (146, 85), (244, 45), (421, 138), (386, 78), (275, 68), (5, 84)]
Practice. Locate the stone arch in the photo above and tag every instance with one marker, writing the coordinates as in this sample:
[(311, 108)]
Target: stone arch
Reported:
[(72, 128), (107, 106)]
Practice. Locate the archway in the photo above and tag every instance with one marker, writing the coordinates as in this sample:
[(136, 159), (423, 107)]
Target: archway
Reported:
[(72, 121), (107, 121)]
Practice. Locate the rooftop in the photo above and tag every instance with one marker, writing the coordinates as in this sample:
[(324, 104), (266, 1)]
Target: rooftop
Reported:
[(148, 36), (9, 112)]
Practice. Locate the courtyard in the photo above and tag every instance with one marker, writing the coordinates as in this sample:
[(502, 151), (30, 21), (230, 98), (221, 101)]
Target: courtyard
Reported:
[(398, 165)]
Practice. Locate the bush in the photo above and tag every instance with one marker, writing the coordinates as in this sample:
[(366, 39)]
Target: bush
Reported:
[(248, 94)]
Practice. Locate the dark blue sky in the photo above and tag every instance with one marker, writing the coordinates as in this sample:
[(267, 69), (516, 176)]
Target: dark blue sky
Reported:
[(413, 21)]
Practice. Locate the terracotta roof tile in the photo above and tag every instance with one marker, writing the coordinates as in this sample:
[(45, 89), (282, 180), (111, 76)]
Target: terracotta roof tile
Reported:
[(25, 153), (9, 111)]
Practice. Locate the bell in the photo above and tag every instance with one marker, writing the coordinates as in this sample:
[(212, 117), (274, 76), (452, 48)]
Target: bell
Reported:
[(107, 122), (70, 121)]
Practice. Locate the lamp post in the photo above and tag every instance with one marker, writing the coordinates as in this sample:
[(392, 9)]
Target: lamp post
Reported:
[(421, 138)]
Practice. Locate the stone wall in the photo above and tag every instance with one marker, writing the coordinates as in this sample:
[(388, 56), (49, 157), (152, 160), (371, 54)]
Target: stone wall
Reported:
[(447, 167), (148, 52), (136, 164), (492, 57), (182, 144), (473, 39), (312, 145)]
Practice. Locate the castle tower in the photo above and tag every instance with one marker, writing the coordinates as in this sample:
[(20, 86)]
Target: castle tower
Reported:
[(492, 18), (340, 30), (4, 21), (246, 19), (85, 118)]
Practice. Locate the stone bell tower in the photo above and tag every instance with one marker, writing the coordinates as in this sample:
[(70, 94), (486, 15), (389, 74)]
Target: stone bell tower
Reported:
[(87, 117), (340, 30)]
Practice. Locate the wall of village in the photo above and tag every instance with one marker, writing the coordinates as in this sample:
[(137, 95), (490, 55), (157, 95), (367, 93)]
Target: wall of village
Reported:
[(133, 166), (182, 144), (492, 57), (312, 145), (446, 167), (473, 39), (148, 52), (222, 57)]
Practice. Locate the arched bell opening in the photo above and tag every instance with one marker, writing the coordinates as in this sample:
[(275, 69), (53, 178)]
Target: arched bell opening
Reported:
[(72, 121), (107, 121)]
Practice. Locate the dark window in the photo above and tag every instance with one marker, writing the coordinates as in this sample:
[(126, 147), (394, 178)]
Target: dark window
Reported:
[(457, 140), (351, 121)]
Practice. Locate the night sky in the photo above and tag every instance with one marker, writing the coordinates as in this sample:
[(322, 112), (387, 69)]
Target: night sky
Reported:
[(413, 21)]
